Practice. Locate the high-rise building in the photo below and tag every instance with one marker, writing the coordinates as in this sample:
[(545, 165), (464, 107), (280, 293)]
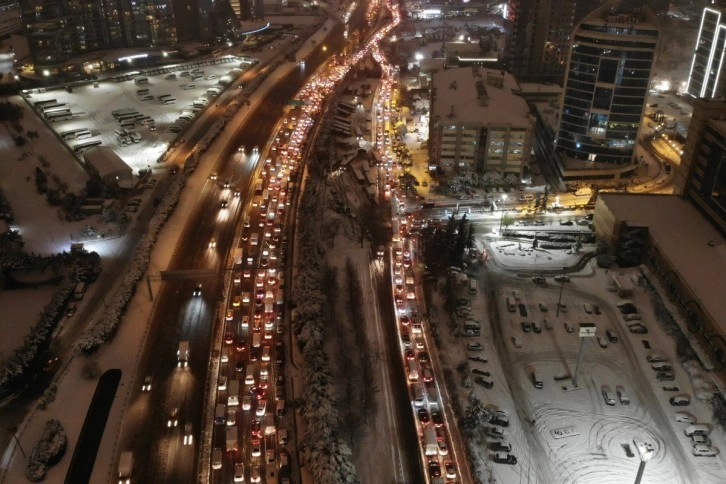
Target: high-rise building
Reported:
[(701, 177), (58, 30), (540, 35), (477, 123), (251, 10), (706, 79), (608, 74)]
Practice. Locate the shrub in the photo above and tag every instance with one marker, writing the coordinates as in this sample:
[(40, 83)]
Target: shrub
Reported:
[(47, 452)]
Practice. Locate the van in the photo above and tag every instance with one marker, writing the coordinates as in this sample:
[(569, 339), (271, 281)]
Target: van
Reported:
[(539, 384), (697, 429), (280, 408), (220, 414), (217, 458)]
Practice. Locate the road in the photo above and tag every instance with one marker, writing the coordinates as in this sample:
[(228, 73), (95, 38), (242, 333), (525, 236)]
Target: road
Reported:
[(179, 316)]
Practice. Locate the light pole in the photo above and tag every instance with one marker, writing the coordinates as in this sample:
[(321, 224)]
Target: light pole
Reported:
[(501, 217), (559, 299), (587, 330), (645, 450)]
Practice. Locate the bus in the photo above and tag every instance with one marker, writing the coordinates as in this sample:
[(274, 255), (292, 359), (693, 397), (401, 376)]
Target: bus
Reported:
[(70, 134), (258, 188), (53, 107), (141, 80), (170, 100), (83, 134), (81, 147), (47, 102), (52, 118), (121, 112)]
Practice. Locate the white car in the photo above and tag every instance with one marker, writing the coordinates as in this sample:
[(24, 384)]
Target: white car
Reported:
[(188, 437), (255, 474), (222, 383), (239, 472), (246, 402), (703, 450), (700, 439), (231, 417), (261, 407), (685, 417)]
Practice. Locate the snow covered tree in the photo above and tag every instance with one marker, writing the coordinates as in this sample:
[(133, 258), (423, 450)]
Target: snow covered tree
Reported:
[(47, 452)]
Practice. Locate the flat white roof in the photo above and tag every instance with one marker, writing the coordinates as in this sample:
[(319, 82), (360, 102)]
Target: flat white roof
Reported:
[(682, 235), (105, 161), (457, 88)]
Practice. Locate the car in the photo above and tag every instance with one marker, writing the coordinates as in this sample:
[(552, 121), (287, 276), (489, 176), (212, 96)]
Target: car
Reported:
[(501, 419), (516, 342), (212, 243), (241, 345), (261, 407), (602, 341), (685, 417), (71, 309), (504, 458), (700, 439), (437, 418), (229, 337), (239, 366), (443, 448), (237, 301), (631, 317), (662, 366), (188, 434), (256, 429), (222, 383), (229, 315), (255, 475), (612, 337), (239, 472), (477, 371), (270, 456), (500, 446), (543, 307), (428, 375), (567, 222), (638, 329), (587, 308), (483, 381), (563, 307), (173, 419), (607, 395), (494, 432), (539, 279), (536, 327), (213, 175), (622, 396), (665, 376), (680, 400), (434, 468), (526, 327), (223, 204), (474, 347), (655, 358), (450, 469), (423, 415), (409, 354), (703, 450), (146, 387), (562, 278), (596, 309), (197, 290)]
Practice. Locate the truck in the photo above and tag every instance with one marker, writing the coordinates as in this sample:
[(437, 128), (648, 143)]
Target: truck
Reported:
[(125, 466), (431, 446), (233, 393), (182, 354), (232, 438)]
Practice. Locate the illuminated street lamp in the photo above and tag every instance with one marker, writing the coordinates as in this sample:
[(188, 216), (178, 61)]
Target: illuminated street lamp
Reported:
[(645, 451)]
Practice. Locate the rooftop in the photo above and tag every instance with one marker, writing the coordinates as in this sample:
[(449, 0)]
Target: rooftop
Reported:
[(478, 95), (682, 236)]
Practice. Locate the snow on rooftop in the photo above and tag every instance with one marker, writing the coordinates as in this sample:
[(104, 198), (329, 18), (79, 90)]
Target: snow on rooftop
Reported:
[(457, 89), (682, 236)]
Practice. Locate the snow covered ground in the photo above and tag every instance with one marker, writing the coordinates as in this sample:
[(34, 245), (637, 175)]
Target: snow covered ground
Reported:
[(566, 435)]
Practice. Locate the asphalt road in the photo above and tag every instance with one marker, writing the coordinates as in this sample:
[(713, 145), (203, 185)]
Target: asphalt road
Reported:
[(178, 316)]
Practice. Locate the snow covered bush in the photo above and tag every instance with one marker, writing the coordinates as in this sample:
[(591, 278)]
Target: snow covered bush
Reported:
[(48, 396), (47, 452)]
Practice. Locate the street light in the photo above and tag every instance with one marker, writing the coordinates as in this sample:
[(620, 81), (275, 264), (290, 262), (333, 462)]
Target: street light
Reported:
[(646, 451), (501, 217)]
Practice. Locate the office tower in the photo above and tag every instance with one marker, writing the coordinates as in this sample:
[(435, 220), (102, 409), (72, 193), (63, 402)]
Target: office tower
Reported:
[(705, 79), (252, 10), (608, 74), (701, 177), (540, 34)]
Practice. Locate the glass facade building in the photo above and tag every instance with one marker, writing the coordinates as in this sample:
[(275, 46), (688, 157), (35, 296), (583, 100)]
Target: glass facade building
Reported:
[(608, 74), (705, 79)]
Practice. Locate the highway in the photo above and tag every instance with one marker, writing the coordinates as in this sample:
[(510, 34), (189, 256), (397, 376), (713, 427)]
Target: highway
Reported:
[(180, 316)]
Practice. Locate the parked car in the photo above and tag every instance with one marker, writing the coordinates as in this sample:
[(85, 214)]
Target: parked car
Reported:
[(665, 376), (680, 400), (662, 366), (562, 278), (503, 458), (700, 439), (602, 341), (498, 446), (484, 381), (607, 395), (474, 347), (516, 342), (703, 450), (612, 337), (638, 329), (685, 417), (494, 432), (622, 396), (526, 327), (655, 358)]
